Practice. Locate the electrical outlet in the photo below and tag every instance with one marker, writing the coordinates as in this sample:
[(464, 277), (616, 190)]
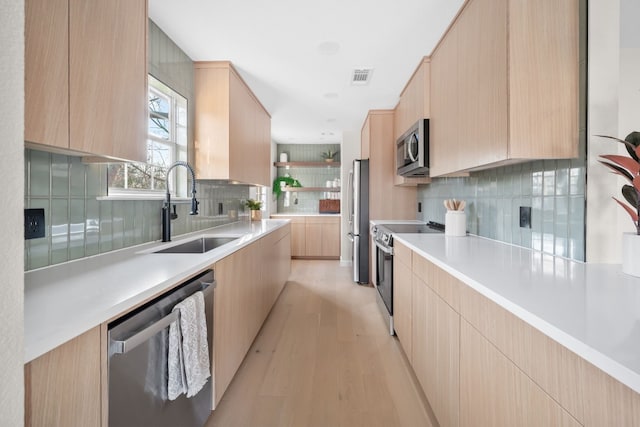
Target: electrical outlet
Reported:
[(525, 216), (33, 223)]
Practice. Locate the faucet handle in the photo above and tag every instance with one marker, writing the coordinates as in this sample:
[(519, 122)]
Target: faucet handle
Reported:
[(194, 206)]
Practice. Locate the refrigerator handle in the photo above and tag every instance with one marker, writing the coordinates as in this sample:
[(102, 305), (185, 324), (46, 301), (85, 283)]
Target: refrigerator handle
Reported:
[(350, 197)]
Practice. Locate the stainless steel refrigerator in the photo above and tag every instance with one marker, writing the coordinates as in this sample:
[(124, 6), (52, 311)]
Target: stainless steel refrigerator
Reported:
[(358, 209)]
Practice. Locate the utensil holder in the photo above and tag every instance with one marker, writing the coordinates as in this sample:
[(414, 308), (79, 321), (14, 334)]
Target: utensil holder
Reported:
[(455, 223)]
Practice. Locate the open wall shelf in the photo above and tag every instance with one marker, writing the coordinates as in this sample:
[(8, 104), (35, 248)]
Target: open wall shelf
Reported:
[(304, 189)]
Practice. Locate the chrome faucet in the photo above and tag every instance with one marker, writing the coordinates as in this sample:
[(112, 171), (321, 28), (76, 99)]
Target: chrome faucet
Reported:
[(167, 216)]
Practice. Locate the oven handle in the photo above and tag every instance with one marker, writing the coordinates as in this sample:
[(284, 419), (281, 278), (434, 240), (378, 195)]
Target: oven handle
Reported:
[(386, 250)]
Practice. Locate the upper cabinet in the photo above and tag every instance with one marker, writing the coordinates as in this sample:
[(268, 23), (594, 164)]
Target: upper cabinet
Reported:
[(86, 77), (414, 105), (378, 145), (504, 85), (414, 100), (233, 129)]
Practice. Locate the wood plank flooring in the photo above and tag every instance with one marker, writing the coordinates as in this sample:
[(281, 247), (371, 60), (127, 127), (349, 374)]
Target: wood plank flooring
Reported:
[(323, 358)]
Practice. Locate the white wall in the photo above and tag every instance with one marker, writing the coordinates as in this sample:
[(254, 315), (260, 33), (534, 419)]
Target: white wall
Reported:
[(613, 109), (11, 190), (349, 151)]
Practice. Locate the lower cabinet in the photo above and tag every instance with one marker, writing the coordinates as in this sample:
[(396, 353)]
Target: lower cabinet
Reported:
[(63, 387), (495, 392), (248, 283), (402, 298), (436, 351), (315, 237)]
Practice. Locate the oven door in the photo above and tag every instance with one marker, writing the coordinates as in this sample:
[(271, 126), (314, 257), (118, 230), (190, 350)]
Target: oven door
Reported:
[(384, 275)]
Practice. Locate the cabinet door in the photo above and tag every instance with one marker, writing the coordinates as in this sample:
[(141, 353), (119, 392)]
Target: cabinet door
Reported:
[(108, 78), (46, 68), (482, 83), (436, 351), (445, 94), (63, 388), (402, 295), (331, 238), (313, 239), (385, 200), (544, 78), (298, 239), (494, 392), (235, 312)]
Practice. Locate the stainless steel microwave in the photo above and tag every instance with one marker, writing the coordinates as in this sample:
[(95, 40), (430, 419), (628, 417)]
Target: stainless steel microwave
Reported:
[(413, 150)]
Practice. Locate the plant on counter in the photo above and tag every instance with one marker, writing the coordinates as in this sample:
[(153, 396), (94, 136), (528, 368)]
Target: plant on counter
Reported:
[(254, 205), (329, 155), (628, 167), (290, 182)]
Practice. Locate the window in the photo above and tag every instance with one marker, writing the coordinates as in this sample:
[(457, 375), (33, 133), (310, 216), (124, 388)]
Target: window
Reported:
[(166, 143)]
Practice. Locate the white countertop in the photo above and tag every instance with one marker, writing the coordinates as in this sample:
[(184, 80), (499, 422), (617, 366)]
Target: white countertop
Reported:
[(592, 309), (66, 300)]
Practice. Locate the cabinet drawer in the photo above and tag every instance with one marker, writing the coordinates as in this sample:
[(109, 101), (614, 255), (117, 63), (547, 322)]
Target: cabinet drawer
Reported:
[(552, 366), (444, 284), (402, 254)]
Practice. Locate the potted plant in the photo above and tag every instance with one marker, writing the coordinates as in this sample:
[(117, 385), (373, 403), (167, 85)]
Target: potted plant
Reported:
[(289, 182), (254, 206), (629, 168), (329, 155)]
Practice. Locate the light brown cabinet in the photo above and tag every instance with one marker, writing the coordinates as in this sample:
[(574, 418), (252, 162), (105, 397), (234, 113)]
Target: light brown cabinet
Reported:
[(435, 344), (63, 387), (494, 392), (315, 237), (248, 284), (378, 145), (86, 77), (492, 101), (402, 297), (233, 129), (414, 105)]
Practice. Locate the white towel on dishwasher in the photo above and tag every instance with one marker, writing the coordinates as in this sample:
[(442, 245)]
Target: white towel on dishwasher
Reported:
[(188, 359)]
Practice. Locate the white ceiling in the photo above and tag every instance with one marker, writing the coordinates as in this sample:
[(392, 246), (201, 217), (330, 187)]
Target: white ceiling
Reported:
[(280, 49)]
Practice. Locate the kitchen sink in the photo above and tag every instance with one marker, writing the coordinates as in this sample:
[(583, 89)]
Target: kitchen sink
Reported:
[(197, 246)]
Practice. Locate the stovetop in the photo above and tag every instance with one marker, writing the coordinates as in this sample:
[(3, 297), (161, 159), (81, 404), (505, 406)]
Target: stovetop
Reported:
[(430, 227), (383, 232)]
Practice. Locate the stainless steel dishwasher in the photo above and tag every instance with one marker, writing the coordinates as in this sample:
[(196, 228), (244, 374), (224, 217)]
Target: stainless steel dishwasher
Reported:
[(138, 348)]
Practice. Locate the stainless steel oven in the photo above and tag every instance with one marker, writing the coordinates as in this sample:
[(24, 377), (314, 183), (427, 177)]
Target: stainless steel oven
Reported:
[(383, 239)]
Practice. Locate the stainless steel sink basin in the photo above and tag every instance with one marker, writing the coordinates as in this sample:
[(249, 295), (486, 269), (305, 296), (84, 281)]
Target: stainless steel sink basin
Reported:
[(197, 246)]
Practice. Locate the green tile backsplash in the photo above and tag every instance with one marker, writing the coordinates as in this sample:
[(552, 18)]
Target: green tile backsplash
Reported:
[(78, 225), (555, 190)]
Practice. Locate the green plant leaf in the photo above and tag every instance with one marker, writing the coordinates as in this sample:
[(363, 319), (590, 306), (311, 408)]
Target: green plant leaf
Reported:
[(630, 194), (632, 143)]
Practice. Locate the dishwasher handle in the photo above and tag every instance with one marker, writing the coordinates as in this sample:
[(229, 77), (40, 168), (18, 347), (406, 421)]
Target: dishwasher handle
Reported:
[(125, 346)]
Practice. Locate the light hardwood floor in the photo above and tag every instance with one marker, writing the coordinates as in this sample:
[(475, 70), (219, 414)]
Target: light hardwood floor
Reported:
[(323, 358)]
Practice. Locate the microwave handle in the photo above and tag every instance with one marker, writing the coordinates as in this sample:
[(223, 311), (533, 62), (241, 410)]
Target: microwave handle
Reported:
[(413, 139)]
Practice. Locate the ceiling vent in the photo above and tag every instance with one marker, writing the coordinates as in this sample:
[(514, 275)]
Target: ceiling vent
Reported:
[(361, 76)]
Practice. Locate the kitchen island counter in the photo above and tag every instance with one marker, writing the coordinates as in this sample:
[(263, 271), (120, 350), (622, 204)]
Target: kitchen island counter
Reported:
[(591, 309)]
